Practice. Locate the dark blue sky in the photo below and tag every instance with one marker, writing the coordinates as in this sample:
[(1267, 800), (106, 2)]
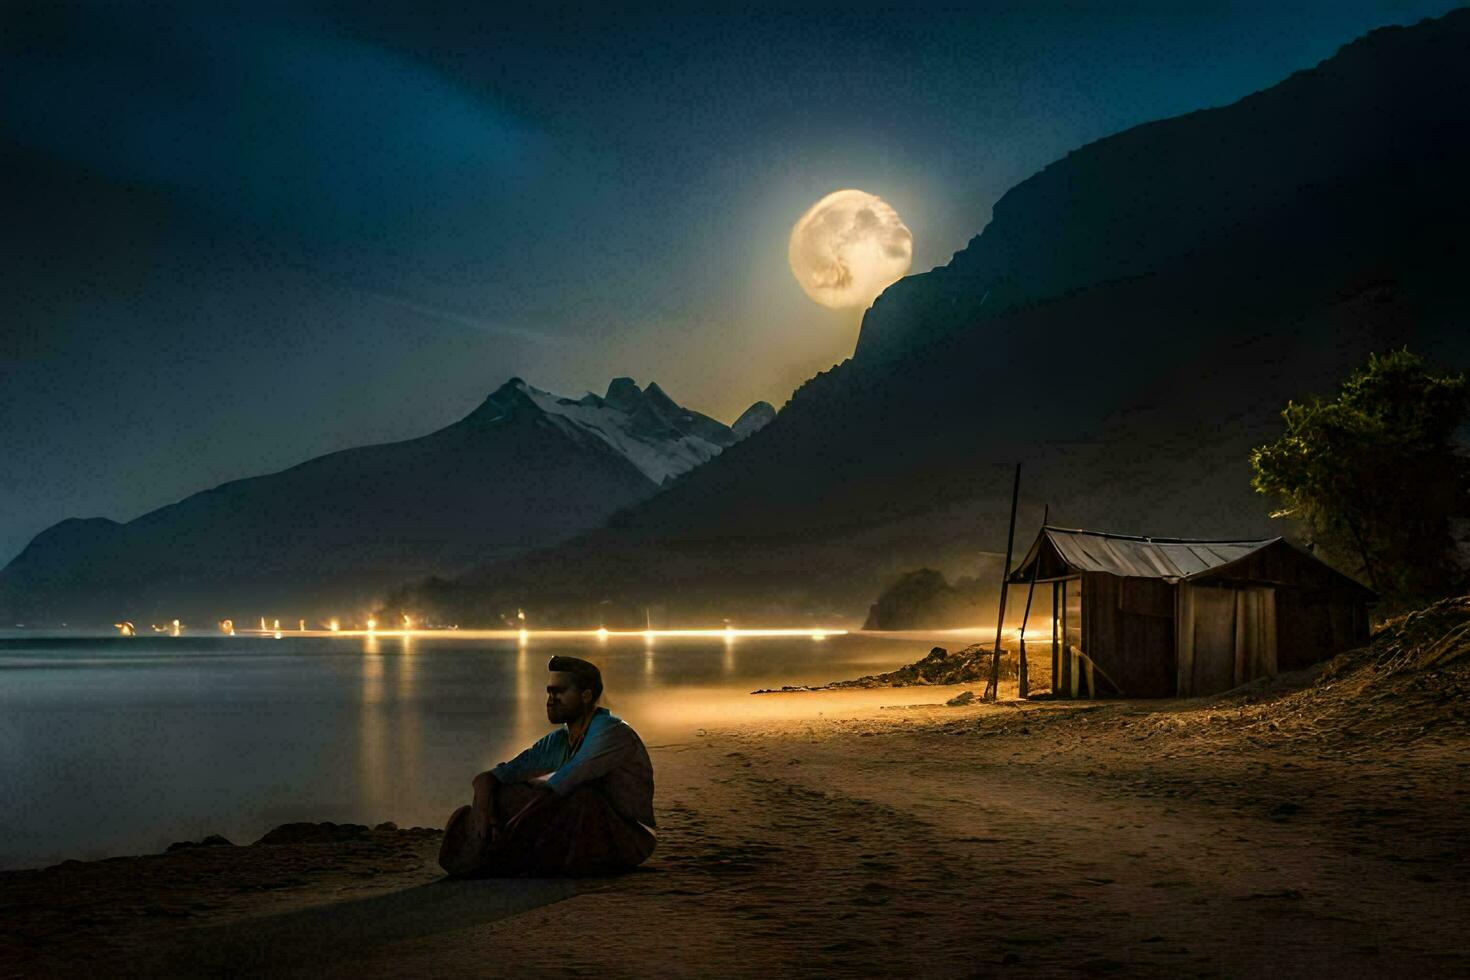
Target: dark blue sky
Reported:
[(236, 238)]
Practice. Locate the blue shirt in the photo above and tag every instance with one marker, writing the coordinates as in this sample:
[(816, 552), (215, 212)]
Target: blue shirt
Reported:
[(611, 753)]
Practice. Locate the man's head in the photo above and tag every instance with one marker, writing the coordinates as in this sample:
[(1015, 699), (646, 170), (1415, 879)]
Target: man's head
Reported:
[(572, 689)]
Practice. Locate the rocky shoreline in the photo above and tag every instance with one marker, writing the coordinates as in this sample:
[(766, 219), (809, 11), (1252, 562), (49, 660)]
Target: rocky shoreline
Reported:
[(939, 669)]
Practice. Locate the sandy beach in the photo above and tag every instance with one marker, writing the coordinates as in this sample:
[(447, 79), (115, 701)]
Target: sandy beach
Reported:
[(1315, 825)]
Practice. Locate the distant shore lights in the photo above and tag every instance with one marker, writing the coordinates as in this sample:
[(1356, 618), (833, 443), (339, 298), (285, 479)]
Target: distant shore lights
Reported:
[(523, 634)]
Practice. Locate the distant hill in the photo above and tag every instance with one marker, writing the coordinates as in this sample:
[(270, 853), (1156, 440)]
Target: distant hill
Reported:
[(1128, 325), (925, 599), (523, 470)]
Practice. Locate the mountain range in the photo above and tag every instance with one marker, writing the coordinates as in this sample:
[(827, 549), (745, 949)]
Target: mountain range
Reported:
[(1129, 324), (523, 470)]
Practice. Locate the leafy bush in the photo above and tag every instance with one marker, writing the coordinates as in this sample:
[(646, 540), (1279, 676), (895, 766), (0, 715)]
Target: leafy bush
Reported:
[(1375, 475)]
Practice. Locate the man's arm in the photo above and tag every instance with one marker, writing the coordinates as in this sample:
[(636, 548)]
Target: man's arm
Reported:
[(603, 751), (538, 760), (535, 761)]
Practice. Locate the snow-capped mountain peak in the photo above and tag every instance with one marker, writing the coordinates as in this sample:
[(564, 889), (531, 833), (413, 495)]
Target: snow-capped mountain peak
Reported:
[(645, 426)]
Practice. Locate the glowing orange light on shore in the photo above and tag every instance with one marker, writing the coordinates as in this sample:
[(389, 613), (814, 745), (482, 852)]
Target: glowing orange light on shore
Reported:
[(126, 629), (726, 633), (407, 621)]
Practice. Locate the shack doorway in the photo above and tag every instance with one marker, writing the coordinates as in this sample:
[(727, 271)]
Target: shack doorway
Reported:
[(1226, 637)]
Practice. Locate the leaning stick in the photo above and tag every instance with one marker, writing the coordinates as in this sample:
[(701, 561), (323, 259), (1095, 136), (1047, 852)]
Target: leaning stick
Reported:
[(1023, 682), (992, 686)]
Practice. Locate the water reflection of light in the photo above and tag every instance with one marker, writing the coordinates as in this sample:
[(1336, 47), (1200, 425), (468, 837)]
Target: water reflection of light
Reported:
[(372, 730), (407, 670), (527, 715), (372, 680), (369, 643), (406, 716)]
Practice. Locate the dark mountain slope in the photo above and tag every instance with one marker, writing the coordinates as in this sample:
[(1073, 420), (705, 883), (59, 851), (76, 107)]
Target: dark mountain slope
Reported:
[(523, 470), (1129, 325)]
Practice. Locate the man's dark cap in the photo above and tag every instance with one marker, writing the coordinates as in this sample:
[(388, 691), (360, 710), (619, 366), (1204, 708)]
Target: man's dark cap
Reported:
[(589, 678)]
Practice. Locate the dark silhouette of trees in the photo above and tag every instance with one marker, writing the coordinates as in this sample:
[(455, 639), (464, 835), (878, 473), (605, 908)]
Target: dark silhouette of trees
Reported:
[(1376, 476)]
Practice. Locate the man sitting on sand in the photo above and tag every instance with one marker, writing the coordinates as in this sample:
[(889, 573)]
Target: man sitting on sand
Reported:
[(578, 802)]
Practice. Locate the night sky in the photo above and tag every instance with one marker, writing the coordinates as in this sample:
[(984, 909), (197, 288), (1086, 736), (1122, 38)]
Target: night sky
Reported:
[(235, 240)]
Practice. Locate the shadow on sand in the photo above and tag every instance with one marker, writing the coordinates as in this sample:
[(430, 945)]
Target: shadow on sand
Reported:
[(325, 939)]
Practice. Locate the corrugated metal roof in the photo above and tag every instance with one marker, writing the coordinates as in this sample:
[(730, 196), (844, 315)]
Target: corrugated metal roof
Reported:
[(1171, 559)]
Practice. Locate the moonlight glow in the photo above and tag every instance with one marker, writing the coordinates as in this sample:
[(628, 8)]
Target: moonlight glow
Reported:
[(848, 248)]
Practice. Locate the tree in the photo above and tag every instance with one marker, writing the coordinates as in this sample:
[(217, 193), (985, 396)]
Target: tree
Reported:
[(1376, 476)]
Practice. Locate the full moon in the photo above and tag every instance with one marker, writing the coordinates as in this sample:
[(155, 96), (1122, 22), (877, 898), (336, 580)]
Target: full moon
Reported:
[(848, 248)]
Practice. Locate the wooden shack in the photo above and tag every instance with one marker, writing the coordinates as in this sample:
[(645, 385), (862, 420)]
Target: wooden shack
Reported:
[(1158, 617)]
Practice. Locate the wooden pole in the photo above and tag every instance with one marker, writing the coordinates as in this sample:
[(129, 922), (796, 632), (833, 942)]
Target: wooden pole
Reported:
[(1023, 682), (992, 686), (1066, 645), (1056, 657)]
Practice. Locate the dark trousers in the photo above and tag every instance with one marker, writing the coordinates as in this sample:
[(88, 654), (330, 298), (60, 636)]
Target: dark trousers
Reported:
[(577, 834)]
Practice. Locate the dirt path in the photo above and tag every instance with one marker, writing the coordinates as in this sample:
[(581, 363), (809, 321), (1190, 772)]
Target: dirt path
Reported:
[(1131, 839)]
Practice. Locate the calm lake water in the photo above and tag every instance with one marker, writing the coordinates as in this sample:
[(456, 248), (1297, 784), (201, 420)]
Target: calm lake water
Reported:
[(121, 745)]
